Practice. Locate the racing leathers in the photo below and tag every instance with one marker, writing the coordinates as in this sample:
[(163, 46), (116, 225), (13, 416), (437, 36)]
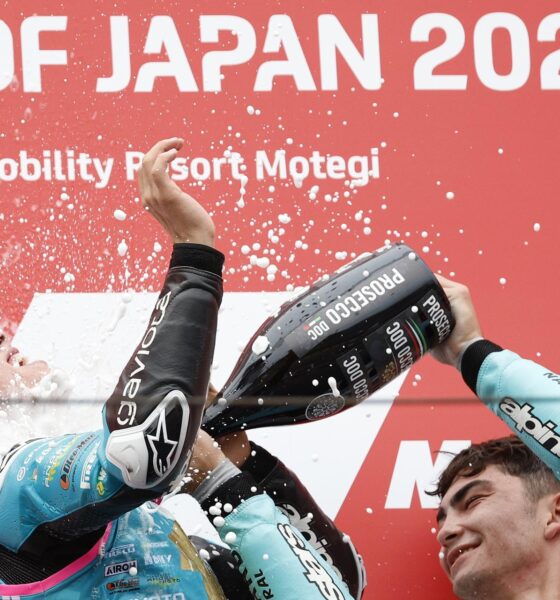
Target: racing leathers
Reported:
[(75, 516), (264, 472), (525, 395)]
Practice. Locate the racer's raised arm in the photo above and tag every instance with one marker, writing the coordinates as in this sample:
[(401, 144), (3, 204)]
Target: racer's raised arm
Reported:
[(75, 484), (152, 417)]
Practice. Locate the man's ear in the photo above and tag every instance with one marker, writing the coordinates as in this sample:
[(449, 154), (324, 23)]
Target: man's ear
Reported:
[(552, 529)]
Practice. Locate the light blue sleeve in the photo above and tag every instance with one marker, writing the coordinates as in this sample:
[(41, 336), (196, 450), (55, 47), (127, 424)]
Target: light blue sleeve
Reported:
[(526, 396), (54, 481), (274, 558)]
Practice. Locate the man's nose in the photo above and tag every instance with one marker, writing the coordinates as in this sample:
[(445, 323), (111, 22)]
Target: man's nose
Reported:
[(450, 529)]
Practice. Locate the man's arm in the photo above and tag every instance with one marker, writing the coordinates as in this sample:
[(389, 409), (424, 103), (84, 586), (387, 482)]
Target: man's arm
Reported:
[(294, 500), (525, 395), (74, 485), (152, 417), (275, 559)]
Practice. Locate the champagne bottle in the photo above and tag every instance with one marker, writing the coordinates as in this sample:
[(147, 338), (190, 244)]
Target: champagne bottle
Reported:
[(335, 344)]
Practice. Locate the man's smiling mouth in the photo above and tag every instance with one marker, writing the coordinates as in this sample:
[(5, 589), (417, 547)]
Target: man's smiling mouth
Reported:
[(458, 552)]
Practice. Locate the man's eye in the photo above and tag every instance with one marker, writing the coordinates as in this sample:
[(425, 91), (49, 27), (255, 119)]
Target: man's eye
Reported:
[(472, 500)]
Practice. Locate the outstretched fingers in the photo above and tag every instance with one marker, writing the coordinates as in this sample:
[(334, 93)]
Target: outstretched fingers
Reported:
[(159, 168), (160, 147), (180, 215)]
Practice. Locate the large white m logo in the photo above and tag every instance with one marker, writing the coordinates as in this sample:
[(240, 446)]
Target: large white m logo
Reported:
[(414, 468)]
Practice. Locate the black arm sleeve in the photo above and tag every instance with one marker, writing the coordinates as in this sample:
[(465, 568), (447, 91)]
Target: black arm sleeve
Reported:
[(154, 413), (473, 358)]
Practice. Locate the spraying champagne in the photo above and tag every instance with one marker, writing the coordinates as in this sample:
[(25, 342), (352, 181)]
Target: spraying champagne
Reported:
[(335, 344)]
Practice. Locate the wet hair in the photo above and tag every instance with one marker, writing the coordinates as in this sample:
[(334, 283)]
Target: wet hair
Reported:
[(511, 456)]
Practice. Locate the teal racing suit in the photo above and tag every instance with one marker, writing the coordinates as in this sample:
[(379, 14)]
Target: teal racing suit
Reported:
[(524, 394)]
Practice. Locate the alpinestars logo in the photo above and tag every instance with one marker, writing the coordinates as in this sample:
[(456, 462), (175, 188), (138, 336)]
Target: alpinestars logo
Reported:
[(303, 525), (162, 447), (314, 571), (544, 433)]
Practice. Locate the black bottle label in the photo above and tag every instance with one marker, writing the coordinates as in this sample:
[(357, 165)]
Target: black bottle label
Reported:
[(407, 337), (356, 375), (345, 310), (396, 346), (439, 318)]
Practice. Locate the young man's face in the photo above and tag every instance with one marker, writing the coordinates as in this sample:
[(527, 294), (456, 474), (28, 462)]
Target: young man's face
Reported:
[(491, 534)]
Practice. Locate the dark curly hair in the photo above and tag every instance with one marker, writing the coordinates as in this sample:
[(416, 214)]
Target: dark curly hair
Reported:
[(509, 454)]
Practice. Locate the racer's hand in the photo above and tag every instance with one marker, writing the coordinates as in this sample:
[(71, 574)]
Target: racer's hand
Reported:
[(467, 328), (184, 219)]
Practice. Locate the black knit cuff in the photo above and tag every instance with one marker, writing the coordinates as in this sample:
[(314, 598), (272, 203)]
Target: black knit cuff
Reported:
[(260, 463), (473, 358), (198, 256), (234, 491)]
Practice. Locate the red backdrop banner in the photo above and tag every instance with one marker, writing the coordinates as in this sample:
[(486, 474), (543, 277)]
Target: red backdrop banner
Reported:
[(313, 132)]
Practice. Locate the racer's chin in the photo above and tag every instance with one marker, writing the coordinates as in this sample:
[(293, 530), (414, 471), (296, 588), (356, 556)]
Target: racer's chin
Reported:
[(467, 575)]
